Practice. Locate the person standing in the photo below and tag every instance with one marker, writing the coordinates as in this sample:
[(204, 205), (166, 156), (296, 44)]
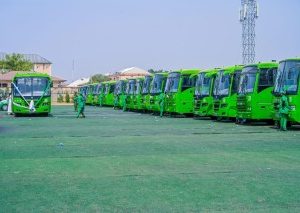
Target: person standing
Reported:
[(116, 101), (80, 105), (283, 111), (75, 101)]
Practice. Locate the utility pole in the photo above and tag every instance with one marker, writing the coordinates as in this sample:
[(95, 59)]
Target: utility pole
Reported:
[(248, 16)]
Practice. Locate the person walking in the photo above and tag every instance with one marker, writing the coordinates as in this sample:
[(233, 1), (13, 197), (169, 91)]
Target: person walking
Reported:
[(284, 109), (124, 102), (80, 106)]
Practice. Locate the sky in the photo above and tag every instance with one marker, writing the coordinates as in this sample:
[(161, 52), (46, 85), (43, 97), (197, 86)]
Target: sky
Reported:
[(103, 36)]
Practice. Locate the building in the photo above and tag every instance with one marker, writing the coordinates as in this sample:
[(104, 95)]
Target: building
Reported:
[(133, 72), (40, 64)]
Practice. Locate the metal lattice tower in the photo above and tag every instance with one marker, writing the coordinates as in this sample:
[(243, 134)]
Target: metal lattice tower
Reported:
[(248, 16)]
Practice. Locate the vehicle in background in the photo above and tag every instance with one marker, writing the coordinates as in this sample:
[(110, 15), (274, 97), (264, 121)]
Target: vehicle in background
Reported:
[(288, 80), (204, 101), (255, 98), (31, 94), (180, 88), (90, 94), (225, 92), (146, 92), (3, 105), (138, 102), (109, 88), (130, 93), (98, 90), (119, 93), (157, 87)]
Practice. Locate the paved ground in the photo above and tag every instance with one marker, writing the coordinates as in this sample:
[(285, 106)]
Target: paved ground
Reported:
[(114, 161)]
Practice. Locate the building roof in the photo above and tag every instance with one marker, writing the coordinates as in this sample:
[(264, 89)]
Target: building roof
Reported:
[(79, 82), (10, 75), (133, 71), (33, 58)]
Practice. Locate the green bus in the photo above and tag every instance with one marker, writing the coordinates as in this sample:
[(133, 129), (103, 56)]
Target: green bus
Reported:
[(255, 98), (157, 87), (98, 91), (108, 89), (31, 94), (204, 101), (288, 80), (225, 92), (146, 93), (179, 91), (90, 94), (137, 99), (120, 93), (130, 93)]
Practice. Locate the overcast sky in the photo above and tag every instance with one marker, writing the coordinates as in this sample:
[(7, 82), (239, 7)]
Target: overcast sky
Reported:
[(108, 35)]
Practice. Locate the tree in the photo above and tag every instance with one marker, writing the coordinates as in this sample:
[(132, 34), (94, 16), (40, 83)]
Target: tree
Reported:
[(67, 97), (98, 78), (156, 71), (16, 62)]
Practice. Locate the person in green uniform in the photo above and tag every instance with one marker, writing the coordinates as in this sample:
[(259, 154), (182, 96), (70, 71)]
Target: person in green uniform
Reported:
[(80, 106), (75, 101), (283, 111), (124, 102), (161, 102), (116, 101)]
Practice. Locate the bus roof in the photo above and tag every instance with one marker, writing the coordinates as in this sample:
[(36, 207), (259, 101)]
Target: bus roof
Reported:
[(187, 71), (31, 74), (210, 72), (162, 73), (232, 69), (109, 82), (290, 59), (262, 65)]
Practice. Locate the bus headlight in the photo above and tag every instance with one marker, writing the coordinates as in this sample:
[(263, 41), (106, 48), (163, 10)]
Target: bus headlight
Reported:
[(293, 108)]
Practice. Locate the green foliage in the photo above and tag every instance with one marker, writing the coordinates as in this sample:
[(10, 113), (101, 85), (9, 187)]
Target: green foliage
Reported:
[(60, 98), (157, 71), (16, 62), (67, 97), (98, 78)]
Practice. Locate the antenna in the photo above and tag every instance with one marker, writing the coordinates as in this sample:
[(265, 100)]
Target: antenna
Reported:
[(248, 16)]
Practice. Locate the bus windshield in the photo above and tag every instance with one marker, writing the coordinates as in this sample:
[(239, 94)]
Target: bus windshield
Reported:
[(172, 82), (119, 89), (138, 87), (130, 87), (247, 80), (146, 85), (202, 85), (106, 89), (287, 78), (32, 87), (157, 84), (222, 84)]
